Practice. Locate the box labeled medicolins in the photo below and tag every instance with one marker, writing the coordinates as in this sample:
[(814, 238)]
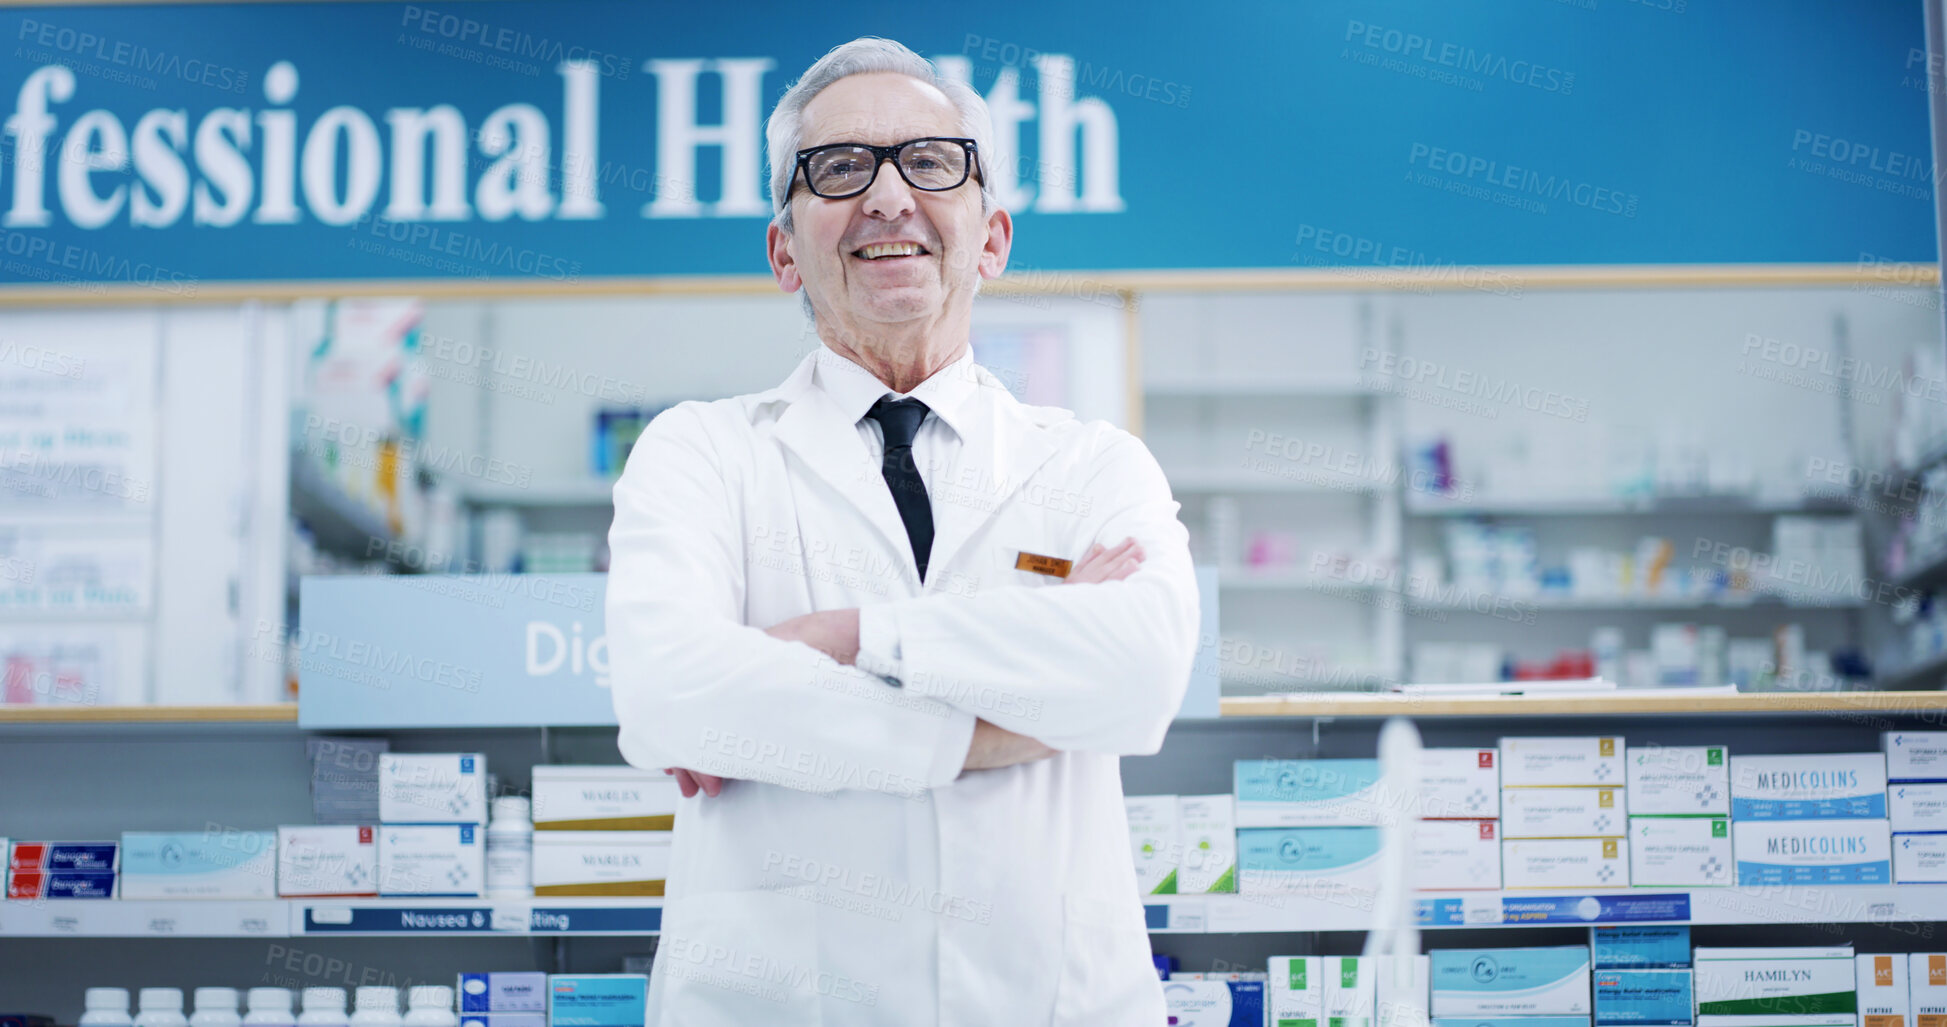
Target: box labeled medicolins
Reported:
[(1658, 997), (1915, 755), (1776, 987), (1460, 784), (1332, 863), (1564, 863), (431, 860), (1561, 761), (1313, 793), (1563, 813), (598, 1000), (1811, 787), (1451, 855), (1680, 852), (199, 864), (1926, 982), (1665, 780), (327, 860), (432, 788), (603, 798), (1295, 992), (1208, 830), (1510, 982), (634, 863), (1813, 852), (1883, 998)]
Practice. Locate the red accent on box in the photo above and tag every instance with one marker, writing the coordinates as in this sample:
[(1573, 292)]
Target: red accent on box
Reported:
[(1487, 759), (364, 836)]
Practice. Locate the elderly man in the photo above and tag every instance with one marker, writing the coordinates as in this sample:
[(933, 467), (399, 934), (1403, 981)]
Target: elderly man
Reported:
[(894, 627)]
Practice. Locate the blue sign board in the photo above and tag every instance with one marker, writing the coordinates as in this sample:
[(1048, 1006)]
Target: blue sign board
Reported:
[(560, 141), (1585, 909)]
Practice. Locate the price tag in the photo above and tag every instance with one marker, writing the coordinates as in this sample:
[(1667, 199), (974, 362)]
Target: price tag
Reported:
[(510, 918)]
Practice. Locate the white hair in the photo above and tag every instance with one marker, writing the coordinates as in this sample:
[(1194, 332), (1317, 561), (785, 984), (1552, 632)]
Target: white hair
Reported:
[(784, 132)]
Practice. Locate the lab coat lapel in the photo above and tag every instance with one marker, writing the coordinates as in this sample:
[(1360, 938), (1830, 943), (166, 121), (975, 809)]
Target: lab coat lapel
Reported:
[(999, 448), (815, 429)]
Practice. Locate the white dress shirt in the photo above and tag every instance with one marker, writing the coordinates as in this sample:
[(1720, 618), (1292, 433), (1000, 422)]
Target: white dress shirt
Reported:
[(936, 449)]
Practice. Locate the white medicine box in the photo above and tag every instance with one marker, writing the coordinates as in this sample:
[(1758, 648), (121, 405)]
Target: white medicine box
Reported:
[(432, 788), (1595, 760), (1674, 780)]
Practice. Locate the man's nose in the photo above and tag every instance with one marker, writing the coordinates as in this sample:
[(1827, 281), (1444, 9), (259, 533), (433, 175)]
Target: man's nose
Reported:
[(889, 196)]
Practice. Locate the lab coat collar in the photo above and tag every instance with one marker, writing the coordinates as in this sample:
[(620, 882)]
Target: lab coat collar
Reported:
[(855, 389), (1000, 446)]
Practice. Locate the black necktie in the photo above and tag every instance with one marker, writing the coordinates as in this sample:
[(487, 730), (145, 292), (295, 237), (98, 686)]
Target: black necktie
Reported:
[(899, 421)]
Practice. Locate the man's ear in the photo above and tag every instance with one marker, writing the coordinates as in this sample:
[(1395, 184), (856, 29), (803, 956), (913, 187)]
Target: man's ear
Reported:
[(1000, 240), (784, 267)]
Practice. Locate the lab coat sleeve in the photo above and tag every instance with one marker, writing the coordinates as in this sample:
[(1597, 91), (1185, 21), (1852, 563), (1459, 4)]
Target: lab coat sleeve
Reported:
[(695, 687), (1096, 667)]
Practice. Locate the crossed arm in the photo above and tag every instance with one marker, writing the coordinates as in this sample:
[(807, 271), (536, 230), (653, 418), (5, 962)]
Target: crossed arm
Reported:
[(836, 634)]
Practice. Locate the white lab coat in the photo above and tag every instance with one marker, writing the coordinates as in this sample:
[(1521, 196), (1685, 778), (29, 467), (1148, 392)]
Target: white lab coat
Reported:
[(852, 874)]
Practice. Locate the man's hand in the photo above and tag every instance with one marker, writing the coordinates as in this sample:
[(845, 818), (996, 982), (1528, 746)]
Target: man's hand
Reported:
[(832, 632), (689, 782), (995, 746)]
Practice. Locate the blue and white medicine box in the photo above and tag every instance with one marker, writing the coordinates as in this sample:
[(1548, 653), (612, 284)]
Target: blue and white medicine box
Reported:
[(1812, 852), (503, 1020), (216, 864), (1552, 981), (1511, 1021), (1208, 1003), (1313, 793), (1917, 807), (1920, 858), (1322, 862), (432, 788), (504, 992), (1640, 947), (598, 1000), (1915, 755), (1658, 998), (1849, 786)]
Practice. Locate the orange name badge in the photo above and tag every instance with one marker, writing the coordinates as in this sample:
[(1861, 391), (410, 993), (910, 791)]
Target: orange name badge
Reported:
[(1049, 565)]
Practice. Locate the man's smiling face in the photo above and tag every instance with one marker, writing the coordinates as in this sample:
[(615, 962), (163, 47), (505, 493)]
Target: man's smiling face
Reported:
[(892, 254)]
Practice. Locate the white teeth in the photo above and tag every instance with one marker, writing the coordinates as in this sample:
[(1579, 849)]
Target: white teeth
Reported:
[(890, 249)]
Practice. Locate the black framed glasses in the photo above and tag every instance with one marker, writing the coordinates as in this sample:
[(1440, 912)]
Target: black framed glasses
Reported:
[(933, 164)]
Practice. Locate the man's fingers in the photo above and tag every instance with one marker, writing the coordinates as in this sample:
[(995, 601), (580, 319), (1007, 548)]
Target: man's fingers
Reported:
[(712, 785), (685, 783)]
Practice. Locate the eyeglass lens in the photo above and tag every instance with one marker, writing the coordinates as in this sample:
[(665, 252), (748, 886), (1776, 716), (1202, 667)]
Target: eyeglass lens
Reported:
[(931, 164)]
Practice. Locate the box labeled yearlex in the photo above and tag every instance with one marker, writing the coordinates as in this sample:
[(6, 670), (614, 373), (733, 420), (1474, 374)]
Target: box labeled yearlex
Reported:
[(603, 798), (613, 863), (1668, 780), (1809, 787), (1527, 762)]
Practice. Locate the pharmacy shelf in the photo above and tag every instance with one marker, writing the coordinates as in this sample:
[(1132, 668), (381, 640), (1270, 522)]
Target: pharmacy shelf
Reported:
[(340, 523), (1242, 480), (122, 918), (1913, 904), (475, 917), (1501, 603), (1213, 388), (267, 713), (1246, 578), (561, 493), (1919, 674), (1600, 506), (1601, 704)]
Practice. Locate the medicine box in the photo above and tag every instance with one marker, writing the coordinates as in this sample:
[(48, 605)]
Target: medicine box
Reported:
[(603, 798), (503, 1020), (1883, 998), (1926, 983), (1680, 852), (1564, 863), (1563, 813), (1330, 863), (1206, 1002), (431, 859), (1808, 787), (1456, 855), (214, 864), (61, 884), (1462, 784), (327, 860), (1401, 990), (1667, 780), (1295, 991), (1786, 987), (1920, 859), (1551, 981), (1512, 1021), (1917, 807), (432, 788), (1208, 829), (85, 857), (1915, 755), (1155, 841), (613, 863), (1561, 761), (1313, 793), (1640, 947), (598, 1000), (1658, 997), (504, 992), (1812, 852), (1349, 994)]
